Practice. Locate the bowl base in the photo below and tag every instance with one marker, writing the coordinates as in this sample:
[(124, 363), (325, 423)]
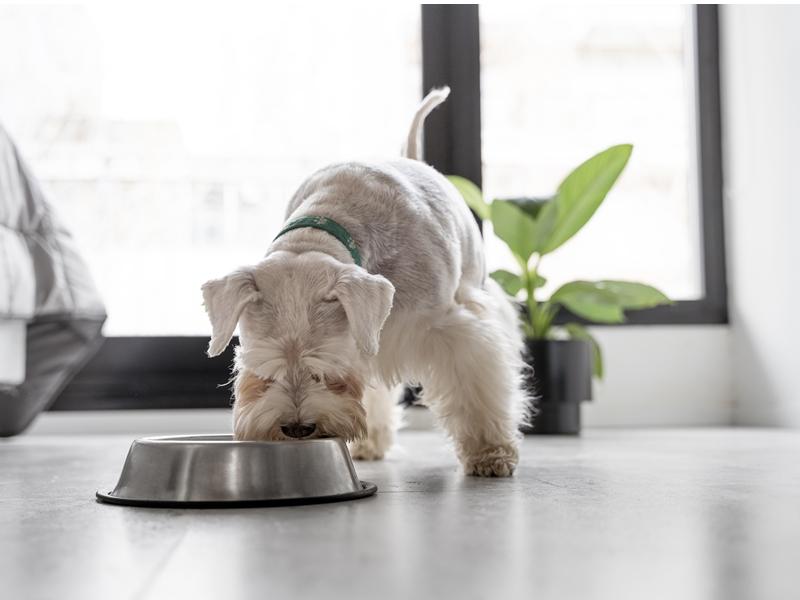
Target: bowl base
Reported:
[(367, 489)]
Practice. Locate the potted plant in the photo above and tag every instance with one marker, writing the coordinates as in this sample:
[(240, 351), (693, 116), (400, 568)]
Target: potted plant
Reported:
[(563, 356)]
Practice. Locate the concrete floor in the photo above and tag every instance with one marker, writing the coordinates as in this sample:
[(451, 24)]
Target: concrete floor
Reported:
[(678, 514)]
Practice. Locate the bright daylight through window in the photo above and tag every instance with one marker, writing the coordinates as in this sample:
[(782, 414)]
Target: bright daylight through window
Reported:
[(171, 161), (561, 83)]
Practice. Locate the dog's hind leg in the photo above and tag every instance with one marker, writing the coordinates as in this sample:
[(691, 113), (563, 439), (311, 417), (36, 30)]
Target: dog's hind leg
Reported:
[(383, 417), (473, 383)]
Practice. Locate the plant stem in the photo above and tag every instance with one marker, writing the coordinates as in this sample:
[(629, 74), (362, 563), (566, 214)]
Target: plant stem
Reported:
[(533, 306), (547, 313)]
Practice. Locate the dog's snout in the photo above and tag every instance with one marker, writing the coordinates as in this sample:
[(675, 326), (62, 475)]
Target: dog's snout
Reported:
[(298, 430)]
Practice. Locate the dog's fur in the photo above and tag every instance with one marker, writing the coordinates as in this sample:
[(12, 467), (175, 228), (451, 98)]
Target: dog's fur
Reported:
[(328, 343)]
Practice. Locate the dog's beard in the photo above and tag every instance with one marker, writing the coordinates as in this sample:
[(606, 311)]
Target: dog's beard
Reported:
[(309, 374), (331, 403)]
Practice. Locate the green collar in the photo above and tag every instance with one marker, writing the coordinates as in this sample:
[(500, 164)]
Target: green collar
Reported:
[(329, 225)]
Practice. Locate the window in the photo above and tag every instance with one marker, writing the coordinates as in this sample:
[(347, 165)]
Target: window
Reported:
[(670, 209), (172, 160), (560, 83)]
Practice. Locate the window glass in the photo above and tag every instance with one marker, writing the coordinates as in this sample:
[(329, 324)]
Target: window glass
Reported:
[(559, 84), (171, 141)]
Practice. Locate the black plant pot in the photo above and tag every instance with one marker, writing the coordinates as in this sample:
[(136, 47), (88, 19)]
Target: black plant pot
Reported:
[(561, 378)]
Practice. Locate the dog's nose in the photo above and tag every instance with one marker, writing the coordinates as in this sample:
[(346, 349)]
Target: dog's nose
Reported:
[(298, 430)]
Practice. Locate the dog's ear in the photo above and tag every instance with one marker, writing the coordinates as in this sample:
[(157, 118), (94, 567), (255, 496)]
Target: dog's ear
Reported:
[(225, 300), (367, 301)]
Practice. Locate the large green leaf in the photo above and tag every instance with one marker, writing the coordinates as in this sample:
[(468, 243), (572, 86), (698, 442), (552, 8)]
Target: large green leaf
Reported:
[(605, 301), (472, 195), (633, 295), (545, 225), (579, 332), (510, 282), (536, 232), (515, 227), (587, 300), (582, 192)]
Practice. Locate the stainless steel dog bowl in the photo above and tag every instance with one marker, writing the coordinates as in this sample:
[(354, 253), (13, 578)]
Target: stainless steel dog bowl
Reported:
[(216, 471)]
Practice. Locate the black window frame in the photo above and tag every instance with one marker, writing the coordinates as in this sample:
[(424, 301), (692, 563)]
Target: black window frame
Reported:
[(451, 56), (174, 372)]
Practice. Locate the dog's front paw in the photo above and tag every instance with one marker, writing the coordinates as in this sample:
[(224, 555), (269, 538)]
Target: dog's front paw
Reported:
[(374, 446), (498, 461), (366, 450)]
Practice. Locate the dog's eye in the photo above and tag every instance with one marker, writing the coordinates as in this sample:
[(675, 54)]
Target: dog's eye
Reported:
[(315, 378)]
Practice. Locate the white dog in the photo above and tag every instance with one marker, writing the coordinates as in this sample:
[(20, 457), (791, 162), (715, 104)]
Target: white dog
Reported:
[(377, 279)]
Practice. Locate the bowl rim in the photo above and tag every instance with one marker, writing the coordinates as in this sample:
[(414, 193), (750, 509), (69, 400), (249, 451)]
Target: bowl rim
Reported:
[(208, 439)]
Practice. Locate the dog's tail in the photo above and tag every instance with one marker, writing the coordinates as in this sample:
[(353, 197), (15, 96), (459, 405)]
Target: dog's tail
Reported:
[(413, 146)]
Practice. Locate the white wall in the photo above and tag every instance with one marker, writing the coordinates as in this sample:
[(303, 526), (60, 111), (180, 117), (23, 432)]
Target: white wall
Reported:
[(761, 104), (134, 422), (663, 376)]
